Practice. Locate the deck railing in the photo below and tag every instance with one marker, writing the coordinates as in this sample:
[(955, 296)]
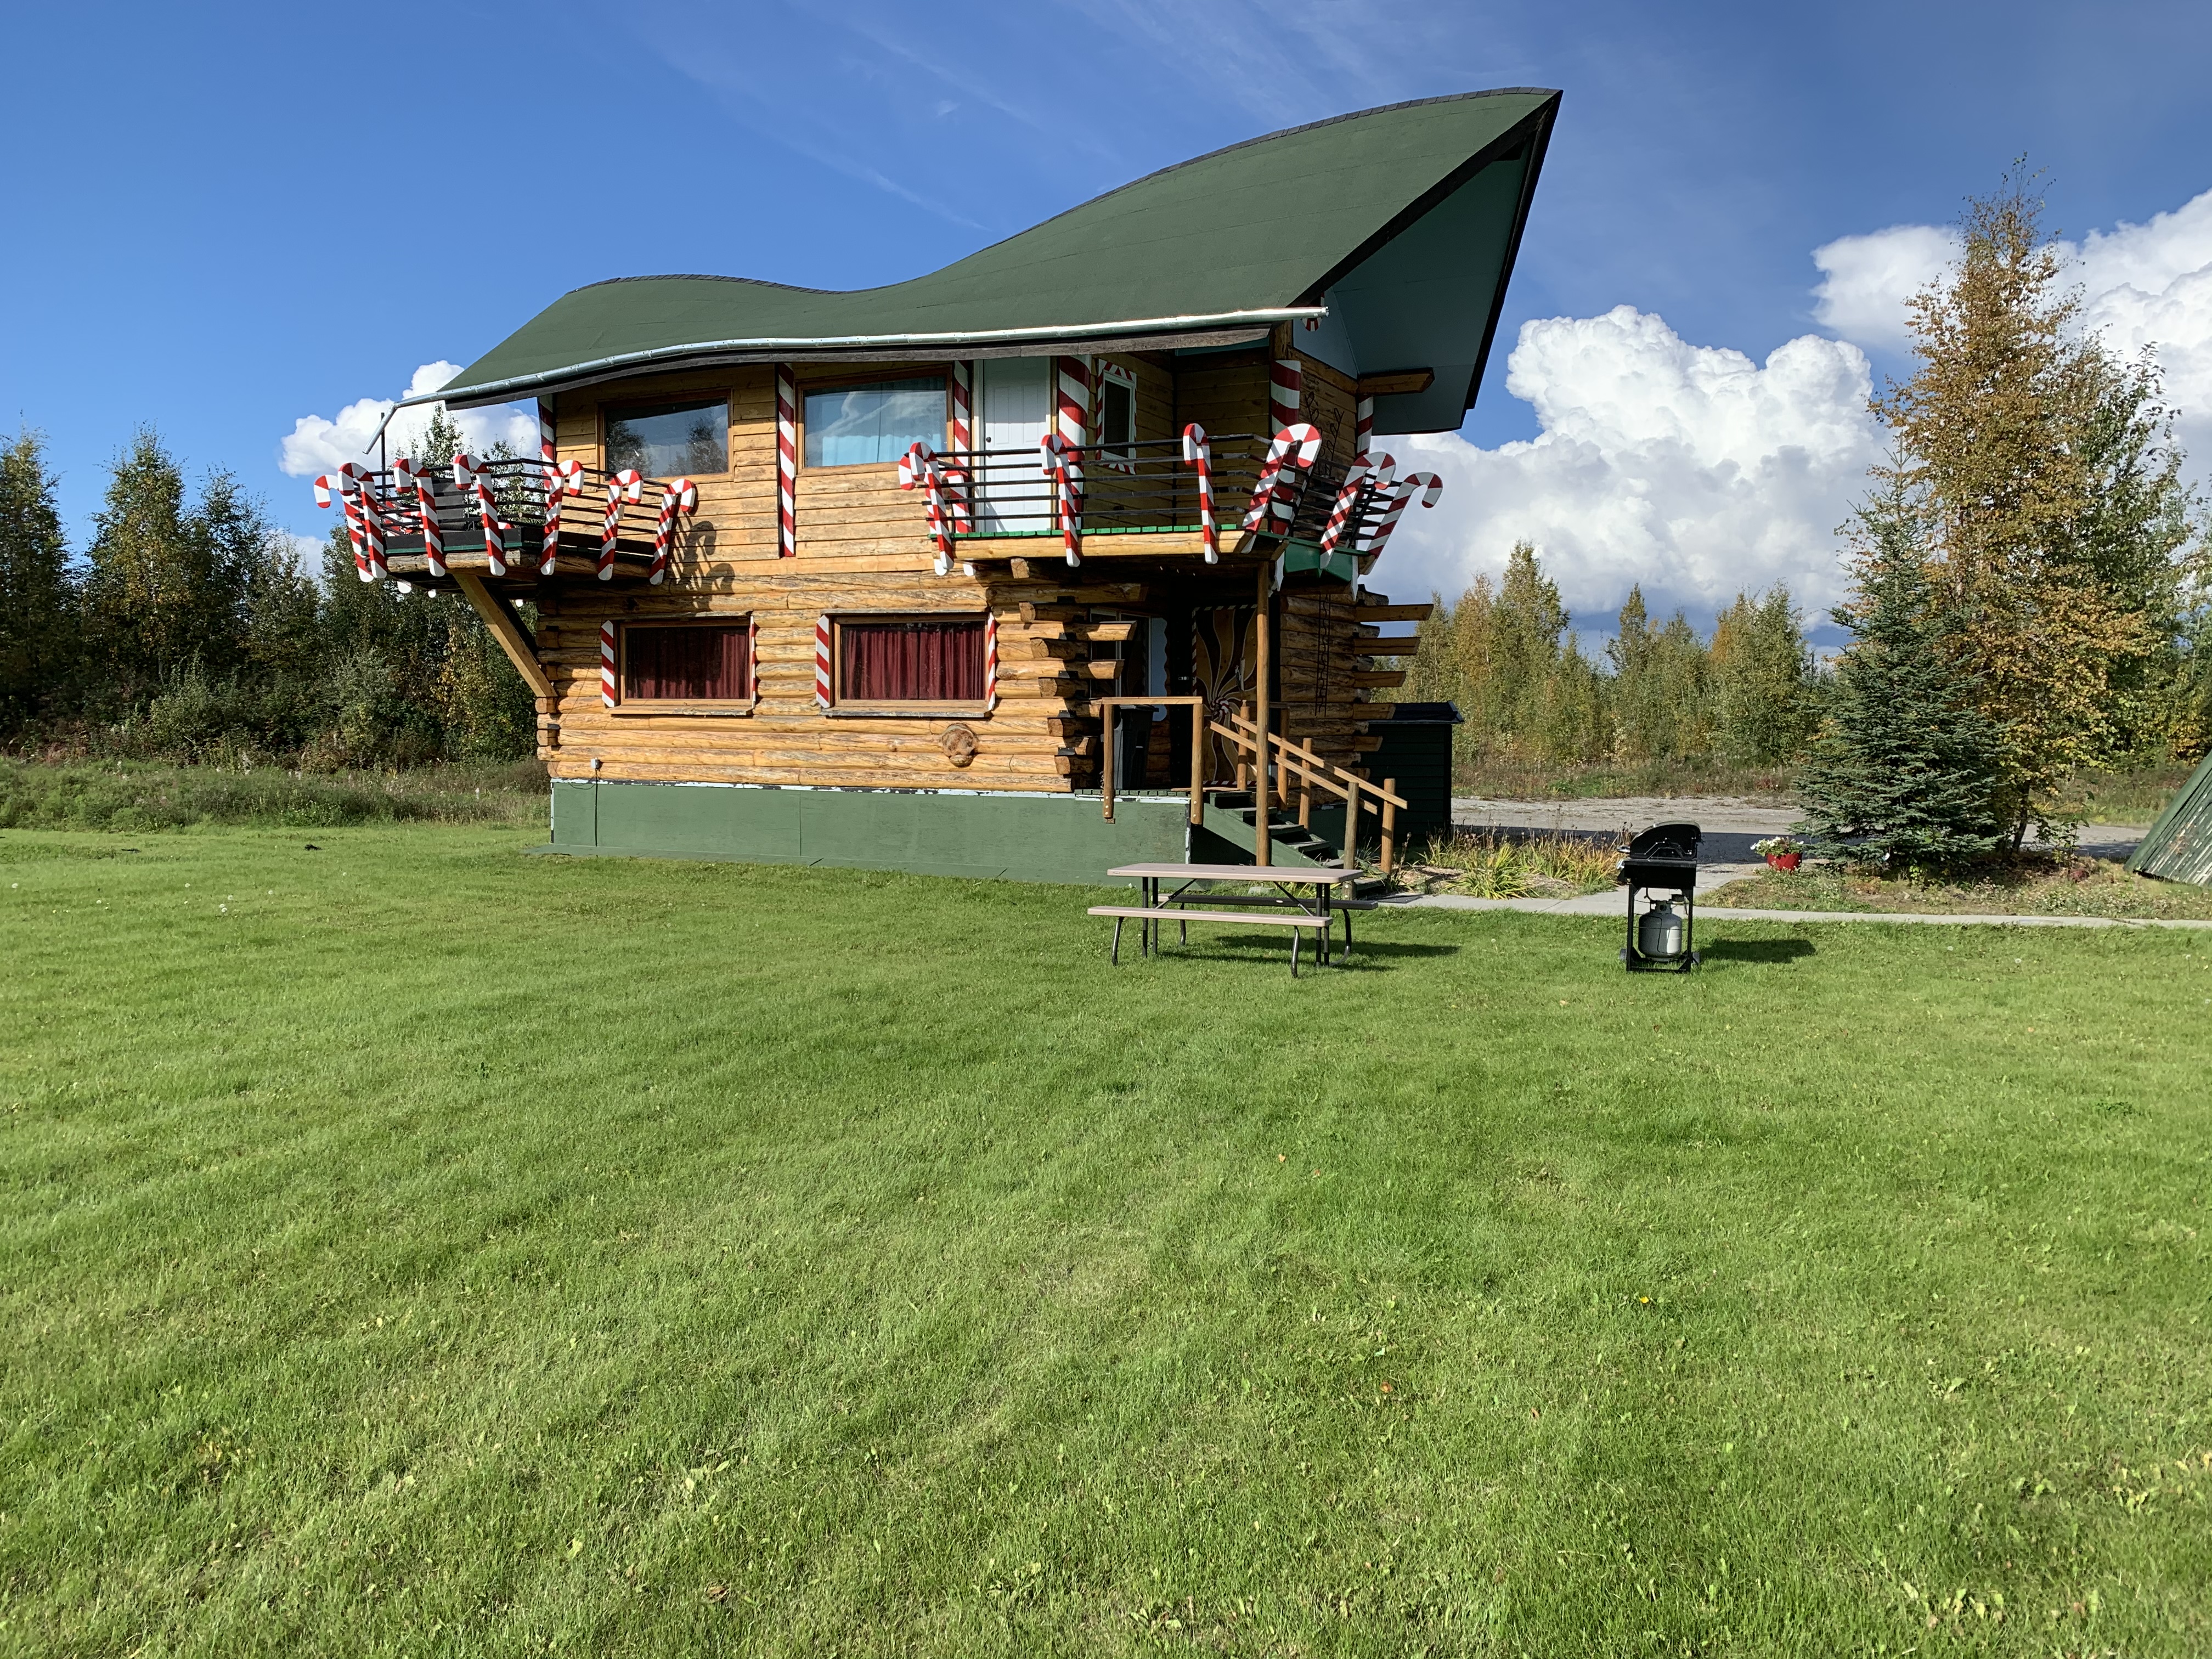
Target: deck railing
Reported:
[(991, 495), (385, 516)]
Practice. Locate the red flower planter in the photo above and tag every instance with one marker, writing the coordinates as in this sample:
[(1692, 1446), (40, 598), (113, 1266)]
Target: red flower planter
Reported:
[(1784, 860)]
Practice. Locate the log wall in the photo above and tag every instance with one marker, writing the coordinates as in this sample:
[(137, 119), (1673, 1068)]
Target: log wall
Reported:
[(863, 546)]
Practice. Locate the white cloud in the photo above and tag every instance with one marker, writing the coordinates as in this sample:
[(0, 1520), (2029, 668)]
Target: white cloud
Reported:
[(1866, 280), (2147, 285), (1689, 469), (316, 445)]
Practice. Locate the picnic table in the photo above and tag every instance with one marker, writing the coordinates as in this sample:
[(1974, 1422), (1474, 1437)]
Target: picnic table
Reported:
[(1304, 900)]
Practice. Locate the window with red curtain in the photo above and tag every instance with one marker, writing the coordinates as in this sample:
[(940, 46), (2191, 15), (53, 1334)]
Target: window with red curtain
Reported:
[(917, 659), (687, 664)]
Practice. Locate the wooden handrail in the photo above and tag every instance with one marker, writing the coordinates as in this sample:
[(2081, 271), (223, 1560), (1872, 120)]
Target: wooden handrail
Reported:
[(1312, 769)]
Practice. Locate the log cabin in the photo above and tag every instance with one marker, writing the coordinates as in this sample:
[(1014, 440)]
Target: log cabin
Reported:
[(1057, 558)]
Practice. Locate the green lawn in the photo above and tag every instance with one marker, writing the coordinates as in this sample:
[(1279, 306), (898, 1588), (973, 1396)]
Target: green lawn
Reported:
[(414, 1247)]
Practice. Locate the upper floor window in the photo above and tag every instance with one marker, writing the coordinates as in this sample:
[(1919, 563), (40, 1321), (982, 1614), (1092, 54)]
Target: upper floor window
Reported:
[(670, 440), (879, 421)]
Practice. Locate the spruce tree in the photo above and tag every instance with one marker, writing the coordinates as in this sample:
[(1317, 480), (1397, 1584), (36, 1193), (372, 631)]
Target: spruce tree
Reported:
[(1906, 772), (38, 613)]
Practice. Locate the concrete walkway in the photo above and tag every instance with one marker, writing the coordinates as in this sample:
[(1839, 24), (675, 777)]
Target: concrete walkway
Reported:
[(1609, 906)]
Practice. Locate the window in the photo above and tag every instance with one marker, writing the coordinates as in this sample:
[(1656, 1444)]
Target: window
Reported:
[(910, 659), (1117, 415), (670, 440), (687, 662), (854, 425)]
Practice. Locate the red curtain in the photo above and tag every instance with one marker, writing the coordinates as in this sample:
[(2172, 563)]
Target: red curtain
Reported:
[(687, 664), (913, 662)]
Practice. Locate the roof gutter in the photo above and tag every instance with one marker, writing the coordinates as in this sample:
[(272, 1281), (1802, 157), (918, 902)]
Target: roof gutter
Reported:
[(502, 391)]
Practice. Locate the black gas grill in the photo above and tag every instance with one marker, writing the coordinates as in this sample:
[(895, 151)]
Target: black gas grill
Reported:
[(1661, 864)]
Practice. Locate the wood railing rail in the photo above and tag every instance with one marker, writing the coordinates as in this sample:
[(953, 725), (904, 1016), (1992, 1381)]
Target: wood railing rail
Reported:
[(1295, 759), (1106, 706)]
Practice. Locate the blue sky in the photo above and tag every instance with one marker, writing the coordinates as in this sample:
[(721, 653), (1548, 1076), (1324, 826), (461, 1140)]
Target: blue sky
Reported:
[(230, 217)]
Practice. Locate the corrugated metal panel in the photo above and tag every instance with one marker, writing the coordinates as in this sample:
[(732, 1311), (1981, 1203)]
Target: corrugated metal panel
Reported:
[(2179, 847)]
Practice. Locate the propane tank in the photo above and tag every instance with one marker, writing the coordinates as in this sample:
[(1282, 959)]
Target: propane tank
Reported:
[(1659, 933)]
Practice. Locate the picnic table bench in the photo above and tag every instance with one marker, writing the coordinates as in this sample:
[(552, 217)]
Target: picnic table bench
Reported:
[(1302, 914)]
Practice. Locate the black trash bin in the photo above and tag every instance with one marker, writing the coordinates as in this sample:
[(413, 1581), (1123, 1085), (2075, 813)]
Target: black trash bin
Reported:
[(1416, 751)]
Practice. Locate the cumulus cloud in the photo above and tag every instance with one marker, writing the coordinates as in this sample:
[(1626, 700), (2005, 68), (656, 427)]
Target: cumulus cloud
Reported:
[(2146, 286), (1689, 469), (316, 445), (1865, 281)]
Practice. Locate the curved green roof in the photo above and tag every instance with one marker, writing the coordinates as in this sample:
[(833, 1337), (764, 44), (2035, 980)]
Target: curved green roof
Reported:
[(1213, 249)]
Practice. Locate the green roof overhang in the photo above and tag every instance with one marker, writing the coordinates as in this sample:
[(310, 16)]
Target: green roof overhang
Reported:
[(1390, 233)]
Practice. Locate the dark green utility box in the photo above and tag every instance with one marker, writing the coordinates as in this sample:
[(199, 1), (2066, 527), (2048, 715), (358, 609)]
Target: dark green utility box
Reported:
[(1417, 751)]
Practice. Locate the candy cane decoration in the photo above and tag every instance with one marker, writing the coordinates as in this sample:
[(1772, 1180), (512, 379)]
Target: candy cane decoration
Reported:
[(821, 661), (1065, 512), (956, 479), (1363, 428), (1428, 485), (679, 495), (990, 660), (346, 481), (472, 477), (918, 470), (417, 478), (1285, 381), (786, 463), (607, 663), (1295, 445), (1071, 403), (1379, 492), (626, 485), (1197, 453), (1355, 480), (562, 478)]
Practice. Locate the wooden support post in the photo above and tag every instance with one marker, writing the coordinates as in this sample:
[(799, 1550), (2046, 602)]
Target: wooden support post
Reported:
[(1389, 823), (1351, 826), (1108, 707), (506, 628), (1264, 646), (1197, 761)]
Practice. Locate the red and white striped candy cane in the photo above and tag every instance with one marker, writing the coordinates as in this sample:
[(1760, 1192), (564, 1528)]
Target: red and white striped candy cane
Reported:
[(1068, 516), (918, 470), (1363, 428), (821, 661), (1286, 382), (1295, 445), (472, 477), (990, 660), (412, 476), (1072, 420), (342, 482), (1427, 485), (562, 478), (1197, 453), (1380, 491), (957, 480), (607, 663), (786, 463), (1339, 515), (676, 495), (626, 485)]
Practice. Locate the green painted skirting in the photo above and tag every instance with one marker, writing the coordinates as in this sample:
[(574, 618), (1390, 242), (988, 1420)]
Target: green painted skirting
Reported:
[(1017, 837)]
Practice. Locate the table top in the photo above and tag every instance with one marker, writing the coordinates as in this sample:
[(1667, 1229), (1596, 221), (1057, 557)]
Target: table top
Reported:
[(1304, 875)]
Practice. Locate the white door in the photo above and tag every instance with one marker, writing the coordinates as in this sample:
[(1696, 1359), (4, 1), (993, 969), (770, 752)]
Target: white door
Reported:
[(1015, 401)]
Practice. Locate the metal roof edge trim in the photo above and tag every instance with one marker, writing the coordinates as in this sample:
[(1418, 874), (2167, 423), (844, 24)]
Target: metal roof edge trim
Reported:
[(502, 391)]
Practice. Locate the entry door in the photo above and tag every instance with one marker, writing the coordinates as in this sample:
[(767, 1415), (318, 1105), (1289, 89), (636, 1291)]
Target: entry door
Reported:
[(1223, 670), (1016, 402)]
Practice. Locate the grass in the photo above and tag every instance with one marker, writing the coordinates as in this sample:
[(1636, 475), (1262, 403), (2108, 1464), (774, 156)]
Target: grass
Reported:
[(2026, 887), (131, 796), (412, 1247)]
